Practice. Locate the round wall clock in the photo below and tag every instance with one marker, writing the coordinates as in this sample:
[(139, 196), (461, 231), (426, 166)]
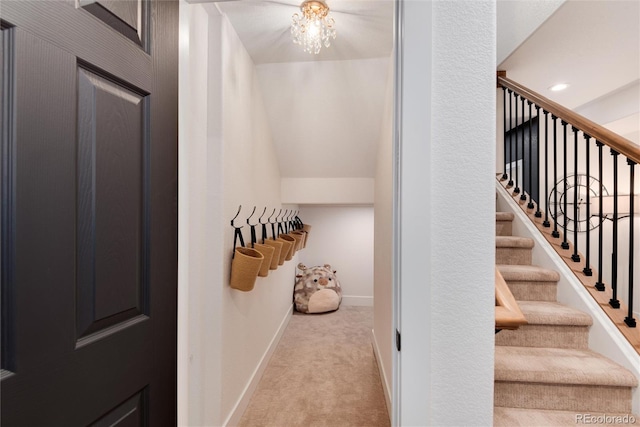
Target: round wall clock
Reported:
[(585, 184)]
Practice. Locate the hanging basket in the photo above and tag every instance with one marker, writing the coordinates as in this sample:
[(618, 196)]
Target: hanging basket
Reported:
[(245, 268), (287, 248), (299, 236), (277, 249), (307, 229), (267, 252), (306, 237)]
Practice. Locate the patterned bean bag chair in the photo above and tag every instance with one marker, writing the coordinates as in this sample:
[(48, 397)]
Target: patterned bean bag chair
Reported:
[(317, 290)]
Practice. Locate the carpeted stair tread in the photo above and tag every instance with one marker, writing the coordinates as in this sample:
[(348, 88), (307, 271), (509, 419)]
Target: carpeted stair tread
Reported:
[(504, 216), (559, 366), (514, 242), (528, 273), (544, 417), (552, 313)]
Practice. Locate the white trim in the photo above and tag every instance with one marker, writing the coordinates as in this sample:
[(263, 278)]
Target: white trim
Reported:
[(604, 336), (354, 300), (245, 397), (383, 376)]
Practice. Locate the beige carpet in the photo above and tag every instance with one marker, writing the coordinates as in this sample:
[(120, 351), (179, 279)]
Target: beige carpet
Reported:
[(323, 373)]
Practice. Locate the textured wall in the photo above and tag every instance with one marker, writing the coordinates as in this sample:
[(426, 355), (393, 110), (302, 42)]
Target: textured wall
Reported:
[(447, 206)]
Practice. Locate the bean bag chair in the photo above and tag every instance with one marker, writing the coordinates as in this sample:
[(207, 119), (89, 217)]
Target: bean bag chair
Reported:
[(317, 290)]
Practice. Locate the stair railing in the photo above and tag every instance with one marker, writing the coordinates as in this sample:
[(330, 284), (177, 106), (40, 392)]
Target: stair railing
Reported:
[(585, 198), (508, 314)]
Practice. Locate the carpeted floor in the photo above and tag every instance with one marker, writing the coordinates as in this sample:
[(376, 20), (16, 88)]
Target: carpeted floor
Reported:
[(323, 373)]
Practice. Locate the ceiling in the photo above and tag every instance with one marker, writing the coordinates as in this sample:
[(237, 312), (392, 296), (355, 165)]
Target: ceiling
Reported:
[(329, 107), (364, 29), (326, 107), (594, 46)]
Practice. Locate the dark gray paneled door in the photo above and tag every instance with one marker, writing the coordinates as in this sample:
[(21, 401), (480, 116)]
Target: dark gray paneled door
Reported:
[(89, 212)]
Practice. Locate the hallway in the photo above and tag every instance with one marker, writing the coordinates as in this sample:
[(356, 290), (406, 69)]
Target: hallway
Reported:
[(323, 373)]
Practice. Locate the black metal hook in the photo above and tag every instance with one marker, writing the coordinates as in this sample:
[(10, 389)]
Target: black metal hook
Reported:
[(274, 211), (263, 212), (252, 212), (237, 213)]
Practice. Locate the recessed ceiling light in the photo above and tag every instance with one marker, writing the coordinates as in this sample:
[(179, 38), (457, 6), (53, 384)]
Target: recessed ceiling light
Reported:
[(559, 86)]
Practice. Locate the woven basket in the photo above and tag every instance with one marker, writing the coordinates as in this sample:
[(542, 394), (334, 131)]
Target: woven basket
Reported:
[(307, 229), (277, 249), (299, 236), (245, 268), (287, 248), (267, 253)]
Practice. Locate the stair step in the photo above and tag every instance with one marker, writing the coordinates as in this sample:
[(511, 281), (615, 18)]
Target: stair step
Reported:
[(549, 325), (530, 282), (560, 379), (515, 417), (513, 250), (504, 223)]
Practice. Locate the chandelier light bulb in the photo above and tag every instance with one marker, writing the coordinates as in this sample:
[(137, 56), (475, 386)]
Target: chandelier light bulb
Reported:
[(314, 27)]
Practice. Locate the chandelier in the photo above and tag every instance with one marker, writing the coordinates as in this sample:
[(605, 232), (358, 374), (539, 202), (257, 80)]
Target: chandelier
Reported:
[(314, 28)]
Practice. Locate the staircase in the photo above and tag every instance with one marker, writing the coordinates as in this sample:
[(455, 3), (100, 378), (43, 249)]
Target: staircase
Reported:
[(545, 373)]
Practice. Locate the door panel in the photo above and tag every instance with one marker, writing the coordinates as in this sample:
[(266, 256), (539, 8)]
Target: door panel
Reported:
[(89, 216), (112, 262), (126, 17)]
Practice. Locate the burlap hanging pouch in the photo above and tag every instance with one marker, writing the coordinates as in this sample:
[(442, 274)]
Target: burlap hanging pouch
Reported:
[(245, 268), (267, 253), (299, 236), (307, 229), (277, 249), (287, 247)]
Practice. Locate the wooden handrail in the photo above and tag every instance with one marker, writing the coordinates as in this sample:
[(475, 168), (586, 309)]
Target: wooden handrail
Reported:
[(508, 313), (618, 143)]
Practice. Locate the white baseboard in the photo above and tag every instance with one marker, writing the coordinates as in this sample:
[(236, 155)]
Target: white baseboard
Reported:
[(357, 301), (383, 375), (243, 401)]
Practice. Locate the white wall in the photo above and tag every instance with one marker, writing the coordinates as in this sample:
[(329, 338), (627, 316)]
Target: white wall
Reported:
[(226, 159), (383, 337), (447, 205), (343, 237), (327, 191)]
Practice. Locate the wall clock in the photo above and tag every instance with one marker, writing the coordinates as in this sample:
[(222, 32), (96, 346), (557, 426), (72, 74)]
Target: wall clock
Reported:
[(585, 184)]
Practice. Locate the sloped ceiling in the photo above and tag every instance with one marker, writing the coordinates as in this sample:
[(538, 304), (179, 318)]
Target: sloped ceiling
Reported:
[(325, 111), (594, 46)]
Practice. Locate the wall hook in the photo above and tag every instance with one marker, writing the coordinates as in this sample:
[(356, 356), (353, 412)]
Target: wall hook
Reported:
[(269, 219), (252, 212), (237, 213), (263, 212)]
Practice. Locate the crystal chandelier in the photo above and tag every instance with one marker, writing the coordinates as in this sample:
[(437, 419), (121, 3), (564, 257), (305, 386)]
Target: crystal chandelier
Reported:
[(314, 28)]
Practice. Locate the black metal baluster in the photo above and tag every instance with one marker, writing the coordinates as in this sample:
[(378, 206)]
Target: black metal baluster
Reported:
[(600, 283), (530, 205), (613, 302), (576, 220), (565, 243), (538, 213), (523, 196), (510, 183), (504, 115), (515, 131), (555, 232), (587, 266), (629, 320), (546, 222)]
